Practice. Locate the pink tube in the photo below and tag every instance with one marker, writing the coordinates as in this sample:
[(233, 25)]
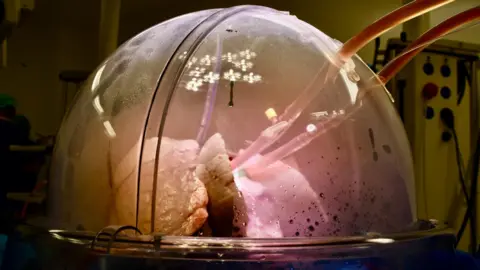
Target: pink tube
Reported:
[(387, 22), (426, 39)]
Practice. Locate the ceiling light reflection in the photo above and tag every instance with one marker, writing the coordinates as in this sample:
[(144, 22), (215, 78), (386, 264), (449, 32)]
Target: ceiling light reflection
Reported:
[(96, 79), (237, 66), (96, 104), (109, 129), (381, 240)]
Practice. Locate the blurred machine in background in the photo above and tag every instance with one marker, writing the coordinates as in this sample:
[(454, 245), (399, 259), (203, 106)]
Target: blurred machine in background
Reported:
[(440, 80)]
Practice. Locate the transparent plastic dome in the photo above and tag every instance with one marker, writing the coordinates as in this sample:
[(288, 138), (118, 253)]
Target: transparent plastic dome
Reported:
[(233, 122)]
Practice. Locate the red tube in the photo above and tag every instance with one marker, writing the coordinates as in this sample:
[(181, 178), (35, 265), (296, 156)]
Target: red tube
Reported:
[(401, 15), (426, 39)]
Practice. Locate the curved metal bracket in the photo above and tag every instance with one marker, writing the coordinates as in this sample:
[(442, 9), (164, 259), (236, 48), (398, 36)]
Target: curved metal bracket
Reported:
[(112, 231), (157, 240)]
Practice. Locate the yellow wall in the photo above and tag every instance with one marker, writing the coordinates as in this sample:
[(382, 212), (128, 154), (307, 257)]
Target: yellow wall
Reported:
[(470, 34)]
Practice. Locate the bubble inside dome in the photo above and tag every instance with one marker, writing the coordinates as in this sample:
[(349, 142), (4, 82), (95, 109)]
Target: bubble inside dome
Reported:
[(233, 122)]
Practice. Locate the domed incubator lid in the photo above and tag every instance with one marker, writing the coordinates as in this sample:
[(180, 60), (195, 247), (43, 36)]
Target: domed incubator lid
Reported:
[(233, 122)]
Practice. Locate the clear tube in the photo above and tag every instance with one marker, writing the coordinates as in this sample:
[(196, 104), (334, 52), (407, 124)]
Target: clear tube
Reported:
[(211, 96), (328, 72), (284, 121), (298, 142), (290, 147), (401, 15), (266, 138), (426, 39)]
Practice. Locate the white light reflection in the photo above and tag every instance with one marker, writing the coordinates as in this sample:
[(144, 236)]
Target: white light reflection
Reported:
[(97, 105), (61, 238), (211, 77), (183, 55), (109, 129), (318, 115), (243, 65), (311, 128), (236, 66), (339, 112), (96, 79), (231, 75), (194, 84), (271, 114), (57, 236), (381, 240), (192, 62), (252, 78), (248, 54), (197, 72), (315, 116), (207, 60), (230, 57)]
